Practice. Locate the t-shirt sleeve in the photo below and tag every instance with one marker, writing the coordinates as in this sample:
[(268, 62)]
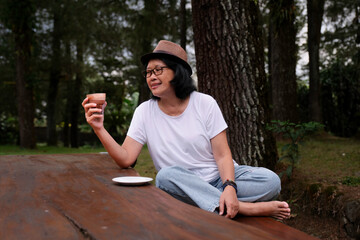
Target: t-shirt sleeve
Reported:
[(215, 122), (137, 130)]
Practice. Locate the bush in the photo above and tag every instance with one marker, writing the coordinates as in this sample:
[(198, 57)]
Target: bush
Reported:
[(9, 133), (296, 133)]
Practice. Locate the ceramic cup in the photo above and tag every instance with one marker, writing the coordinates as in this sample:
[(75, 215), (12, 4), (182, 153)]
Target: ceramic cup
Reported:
[(98, 98)]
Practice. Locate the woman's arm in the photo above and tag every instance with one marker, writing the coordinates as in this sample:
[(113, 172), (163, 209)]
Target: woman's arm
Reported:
[(223, 158), (124, 155)]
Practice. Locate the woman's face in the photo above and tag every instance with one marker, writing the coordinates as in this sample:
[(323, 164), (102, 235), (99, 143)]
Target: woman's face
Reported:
[(159, 83)]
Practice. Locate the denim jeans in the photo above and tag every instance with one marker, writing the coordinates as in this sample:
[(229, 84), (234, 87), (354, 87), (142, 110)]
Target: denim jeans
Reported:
[(254, 184)]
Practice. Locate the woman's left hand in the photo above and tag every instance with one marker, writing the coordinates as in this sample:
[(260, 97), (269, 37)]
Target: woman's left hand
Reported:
[(228, 200)]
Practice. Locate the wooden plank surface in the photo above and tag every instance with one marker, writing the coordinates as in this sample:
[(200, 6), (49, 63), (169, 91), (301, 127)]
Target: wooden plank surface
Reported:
[(72, 197)]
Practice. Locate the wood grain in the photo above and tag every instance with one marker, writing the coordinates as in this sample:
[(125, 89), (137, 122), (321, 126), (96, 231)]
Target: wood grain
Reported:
[(73, 197)]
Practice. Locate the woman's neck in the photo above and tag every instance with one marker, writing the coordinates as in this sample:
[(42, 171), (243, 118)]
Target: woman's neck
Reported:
[(173, 106)]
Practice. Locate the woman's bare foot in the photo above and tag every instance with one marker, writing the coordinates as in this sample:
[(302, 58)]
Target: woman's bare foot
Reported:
[(275, 209)]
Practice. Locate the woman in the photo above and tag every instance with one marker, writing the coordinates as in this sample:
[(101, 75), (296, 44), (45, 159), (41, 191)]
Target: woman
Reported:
[(186, 136)]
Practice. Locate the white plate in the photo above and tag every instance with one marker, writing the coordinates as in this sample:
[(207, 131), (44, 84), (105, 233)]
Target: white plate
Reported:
[(132, 180)]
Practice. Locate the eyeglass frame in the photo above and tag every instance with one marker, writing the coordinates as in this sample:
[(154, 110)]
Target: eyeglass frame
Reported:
[(153, 71)]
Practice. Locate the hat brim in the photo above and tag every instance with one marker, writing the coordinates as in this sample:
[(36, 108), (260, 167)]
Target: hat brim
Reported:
[(147, 57)]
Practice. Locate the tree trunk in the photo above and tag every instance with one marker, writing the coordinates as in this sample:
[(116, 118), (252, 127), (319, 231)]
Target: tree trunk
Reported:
[(55, 73), (146, 37), (283, 51), (315, 9), (230, 67), (183, 26), (77, 94), (21, 28), (269, 55), (68, 94), (357, 41)]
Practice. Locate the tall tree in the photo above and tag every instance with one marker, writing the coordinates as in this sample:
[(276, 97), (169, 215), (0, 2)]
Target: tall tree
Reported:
[(76, 94), (8, 128), (282, 60), (315, 11), (340, 71), (83, 30), (19, 16), (162, 22), (183, 27), (55, 72), (81, 34), (230, 67), (68, 93), (147, 33)]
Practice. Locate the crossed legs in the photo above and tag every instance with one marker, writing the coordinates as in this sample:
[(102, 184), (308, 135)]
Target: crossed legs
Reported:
[(257, 187)]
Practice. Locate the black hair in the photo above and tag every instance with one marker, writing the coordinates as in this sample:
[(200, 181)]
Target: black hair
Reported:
[(182, 82)]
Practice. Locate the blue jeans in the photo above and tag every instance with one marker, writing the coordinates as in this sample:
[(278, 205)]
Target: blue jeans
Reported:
[(254, 184)]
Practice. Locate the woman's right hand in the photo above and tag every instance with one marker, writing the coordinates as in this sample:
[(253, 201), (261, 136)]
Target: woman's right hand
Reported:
[(94, 116)]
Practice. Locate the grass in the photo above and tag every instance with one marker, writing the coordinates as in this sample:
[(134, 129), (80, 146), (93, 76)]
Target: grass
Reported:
[(351, 181), (144, 165), (329, 159)]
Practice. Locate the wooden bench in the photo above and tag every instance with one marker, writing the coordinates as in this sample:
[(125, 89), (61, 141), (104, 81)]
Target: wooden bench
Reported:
[(73, 197)]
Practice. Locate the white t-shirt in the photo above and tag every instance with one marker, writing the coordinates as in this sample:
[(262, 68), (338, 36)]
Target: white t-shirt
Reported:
[(182, 140)]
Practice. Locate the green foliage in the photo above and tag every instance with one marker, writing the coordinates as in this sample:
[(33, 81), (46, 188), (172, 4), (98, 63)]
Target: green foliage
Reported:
[(296, 133), (129, 105), (341, 36), (116, 33), (340, 68), (8, 129), (112, 35), (118, 116), (303, 101), (351, 181), (341, 98)]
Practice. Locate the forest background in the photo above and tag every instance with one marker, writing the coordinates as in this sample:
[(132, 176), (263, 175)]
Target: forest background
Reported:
[(52, 53)]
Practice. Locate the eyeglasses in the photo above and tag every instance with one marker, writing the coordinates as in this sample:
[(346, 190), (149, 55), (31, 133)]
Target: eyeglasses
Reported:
[(156, 71)]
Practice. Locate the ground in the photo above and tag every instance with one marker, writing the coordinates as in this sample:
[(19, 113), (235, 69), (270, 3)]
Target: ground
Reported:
[(315, 216), (323, 228)]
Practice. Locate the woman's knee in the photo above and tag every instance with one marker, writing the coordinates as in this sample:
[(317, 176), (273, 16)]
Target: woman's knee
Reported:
[(269, 184), (273, 184), (166, 175)]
